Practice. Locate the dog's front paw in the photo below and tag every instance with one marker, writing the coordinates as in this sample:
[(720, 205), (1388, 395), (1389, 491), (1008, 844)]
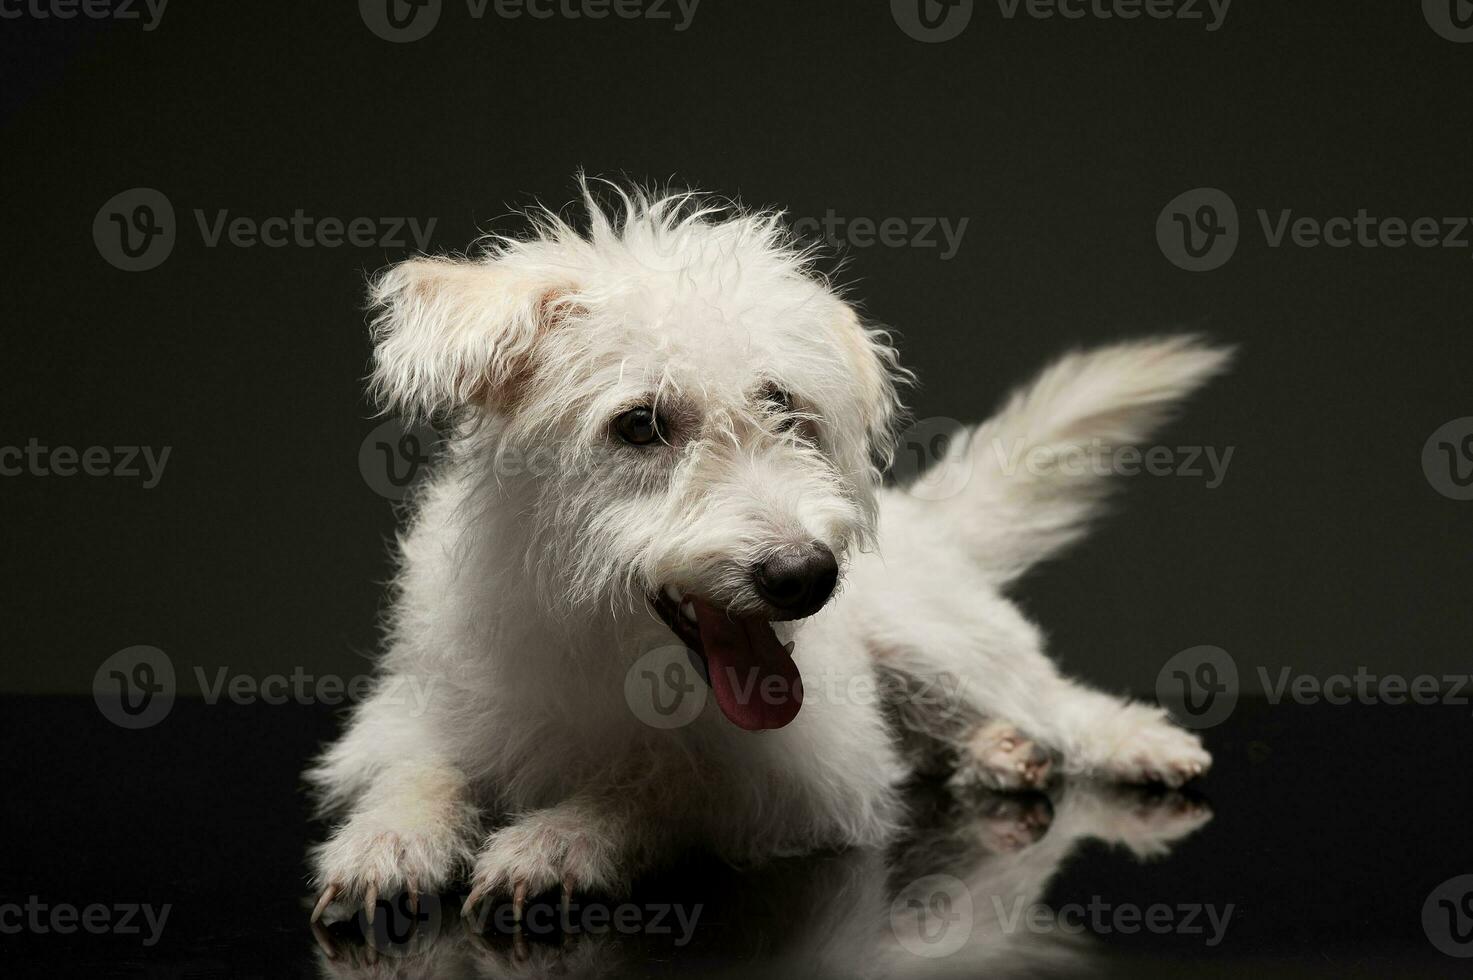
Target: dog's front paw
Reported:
[(366, 859), (1150, 749), (999, 757), (544, 850)]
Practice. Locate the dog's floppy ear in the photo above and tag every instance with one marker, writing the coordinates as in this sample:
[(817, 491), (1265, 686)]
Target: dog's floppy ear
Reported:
[(453, 332), (874, 366)]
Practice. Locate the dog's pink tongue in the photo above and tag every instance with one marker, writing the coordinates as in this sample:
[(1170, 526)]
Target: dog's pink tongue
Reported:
[(756, 682)]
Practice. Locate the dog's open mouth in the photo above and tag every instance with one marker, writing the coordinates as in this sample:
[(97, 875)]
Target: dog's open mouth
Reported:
[(753, 676)]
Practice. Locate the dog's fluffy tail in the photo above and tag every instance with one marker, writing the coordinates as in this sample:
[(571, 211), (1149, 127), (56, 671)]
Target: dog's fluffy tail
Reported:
[(1040, 468)]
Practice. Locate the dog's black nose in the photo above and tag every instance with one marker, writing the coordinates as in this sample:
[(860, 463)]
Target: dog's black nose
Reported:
[(798, 580)]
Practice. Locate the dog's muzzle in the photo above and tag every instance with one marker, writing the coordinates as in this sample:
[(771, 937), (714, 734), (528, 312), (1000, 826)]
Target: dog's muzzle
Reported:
[(754, 677), (797, 580)]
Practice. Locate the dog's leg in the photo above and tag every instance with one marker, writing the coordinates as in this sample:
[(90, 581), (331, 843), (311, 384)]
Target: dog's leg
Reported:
[(411, 821), (999, 756), (1068, 728), (1121, 740), (1022, 496), (1013, 720), (587, 843), (408, 833)]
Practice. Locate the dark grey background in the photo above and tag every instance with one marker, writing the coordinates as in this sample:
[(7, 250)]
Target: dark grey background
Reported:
[(1061, 141)]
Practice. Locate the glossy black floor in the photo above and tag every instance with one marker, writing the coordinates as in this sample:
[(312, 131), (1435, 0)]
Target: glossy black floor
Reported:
[(1313, 849)]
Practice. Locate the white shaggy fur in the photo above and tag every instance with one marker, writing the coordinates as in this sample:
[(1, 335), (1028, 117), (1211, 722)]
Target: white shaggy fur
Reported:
[(521, 594)]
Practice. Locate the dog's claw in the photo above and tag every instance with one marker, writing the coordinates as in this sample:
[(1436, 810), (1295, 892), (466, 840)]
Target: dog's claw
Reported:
[(324, 940), (469, 908), (518, 901), (323, 902), (370, 903)]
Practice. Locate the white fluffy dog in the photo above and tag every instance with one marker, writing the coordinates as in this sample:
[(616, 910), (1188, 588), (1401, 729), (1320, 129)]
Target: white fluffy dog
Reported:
[(712, 421)]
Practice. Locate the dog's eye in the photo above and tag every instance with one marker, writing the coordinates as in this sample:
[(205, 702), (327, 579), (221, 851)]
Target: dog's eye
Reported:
[(638, 426)]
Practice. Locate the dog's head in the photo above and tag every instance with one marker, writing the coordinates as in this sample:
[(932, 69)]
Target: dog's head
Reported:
[(683, 412)]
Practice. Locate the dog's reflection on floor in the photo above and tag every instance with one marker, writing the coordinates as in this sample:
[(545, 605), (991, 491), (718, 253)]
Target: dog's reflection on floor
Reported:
[(952, 897)]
